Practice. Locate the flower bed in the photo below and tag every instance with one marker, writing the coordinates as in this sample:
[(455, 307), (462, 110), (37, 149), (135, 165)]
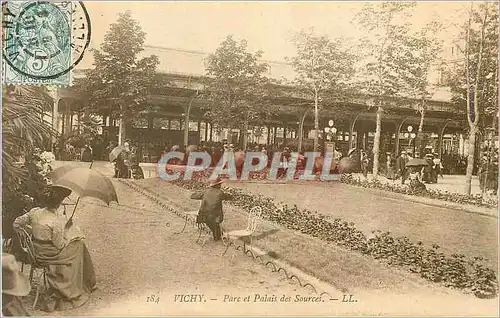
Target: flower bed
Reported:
[(347, 178), (454, 271), (475, 199)]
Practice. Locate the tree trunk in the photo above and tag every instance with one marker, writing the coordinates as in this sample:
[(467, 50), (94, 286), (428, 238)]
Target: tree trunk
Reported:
[(301, 131), (470, 158), (186, 121), (376, 143), (473, 123), (419, 138), (316, 120), (244, 135), (121, 128), (121, 131), (55, 122)]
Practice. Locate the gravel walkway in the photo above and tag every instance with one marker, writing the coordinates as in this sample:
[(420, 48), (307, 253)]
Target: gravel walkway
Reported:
[(136, 255)]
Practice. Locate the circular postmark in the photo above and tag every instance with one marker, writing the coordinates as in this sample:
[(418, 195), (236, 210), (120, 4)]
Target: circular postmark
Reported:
[(44, 40)]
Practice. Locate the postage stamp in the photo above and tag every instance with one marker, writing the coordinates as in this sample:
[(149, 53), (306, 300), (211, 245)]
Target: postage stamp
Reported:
[(43, 41), (250, 158)]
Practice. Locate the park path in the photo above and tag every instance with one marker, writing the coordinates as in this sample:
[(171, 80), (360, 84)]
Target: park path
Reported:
[(136, 255)]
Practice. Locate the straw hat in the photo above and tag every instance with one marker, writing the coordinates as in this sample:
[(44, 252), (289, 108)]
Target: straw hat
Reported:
[(218, 181), (13, 281)]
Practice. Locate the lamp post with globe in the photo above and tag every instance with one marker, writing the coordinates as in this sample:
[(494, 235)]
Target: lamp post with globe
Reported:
[(330, 132), (411, 136)]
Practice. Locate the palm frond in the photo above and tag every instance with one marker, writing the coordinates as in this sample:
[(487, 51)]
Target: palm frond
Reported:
[(23, 129)]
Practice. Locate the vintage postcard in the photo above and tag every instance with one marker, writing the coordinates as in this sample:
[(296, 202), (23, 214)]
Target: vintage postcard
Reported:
[(249, 158)]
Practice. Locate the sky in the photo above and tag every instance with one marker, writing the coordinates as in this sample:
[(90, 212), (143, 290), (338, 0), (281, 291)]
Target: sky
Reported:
[(267, 26)]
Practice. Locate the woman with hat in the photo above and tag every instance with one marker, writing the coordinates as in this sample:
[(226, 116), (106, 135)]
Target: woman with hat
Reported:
[(211, 209), (438, 166), (390, 163), (14, 285), (428, 169), (416, 184), (59, 246)]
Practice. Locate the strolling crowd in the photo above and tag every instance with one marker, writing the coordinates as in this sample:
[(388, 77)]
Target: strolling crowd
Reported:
[(428, 172), (127, 163)]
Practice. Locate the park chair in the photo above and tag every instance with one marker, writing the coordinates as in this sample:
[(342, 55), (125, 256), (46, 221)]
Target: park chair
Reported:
[(201, 226), (27, 246), (253, 216)]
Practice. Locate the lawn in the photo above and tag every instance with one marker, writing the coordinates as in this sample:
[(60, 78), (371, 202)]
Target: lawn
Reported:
[(453, 230)]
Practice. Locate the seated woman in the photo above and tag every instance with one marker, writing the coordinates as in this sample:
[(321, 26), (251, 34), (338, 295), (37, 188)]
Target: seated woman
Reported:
[(137, 172), (416, 184), (59, 245)]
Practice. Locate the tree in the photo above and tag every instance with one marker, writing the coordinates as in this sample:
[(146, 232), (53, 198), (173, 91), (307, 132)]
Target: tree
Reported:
[(120, 82), (387, 57), (475, 81), (424, 48), (323, 69), (236, 87), (88, 127), (23, 127), (23, 130)]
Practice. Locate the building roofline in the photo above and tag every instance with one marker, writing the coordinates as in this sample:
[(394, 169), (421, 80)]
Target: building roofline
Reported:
[(165, 48)]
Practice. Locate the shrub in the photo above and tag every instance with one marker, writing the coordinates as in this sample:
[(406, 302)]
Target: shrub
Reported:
[(474, 199)]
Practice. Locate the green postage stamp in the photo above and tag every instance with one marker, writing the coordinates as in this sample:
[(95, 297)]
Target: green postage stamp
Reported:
[(43, 41)]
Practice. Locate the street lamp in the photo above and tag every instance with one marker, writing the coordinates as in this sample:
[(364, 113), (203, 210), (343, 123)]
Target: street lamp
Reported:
[(330, 131), (410, 135)]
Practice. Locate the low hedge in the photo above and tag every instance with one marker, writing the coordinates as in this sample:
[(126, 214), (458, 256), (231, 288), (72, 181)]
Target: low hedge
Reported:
[(474, 199), (347, 178), (454, 271)]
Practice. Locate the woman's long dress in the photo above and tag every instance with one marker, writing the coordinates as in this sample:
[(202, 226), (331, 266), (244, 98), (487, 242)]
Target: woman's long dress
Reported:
[(69, 269), (87, 155), (12, 306), (390, 174)]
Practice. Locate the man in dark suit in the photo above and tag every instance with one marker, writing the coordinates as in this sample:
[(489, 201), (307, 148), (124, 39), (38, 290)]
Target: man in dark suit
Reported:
[(211, 209), (401, 166)]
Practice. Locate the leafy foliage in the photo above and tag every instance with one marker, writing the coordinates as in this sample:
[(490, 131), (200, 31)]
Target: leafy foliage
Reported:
[(424, 48), (324, 69), (120, 82), (322, 65), (475, 84), (386, 48), (488, 76), (88, 130), (23, 130), (236, 86)]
